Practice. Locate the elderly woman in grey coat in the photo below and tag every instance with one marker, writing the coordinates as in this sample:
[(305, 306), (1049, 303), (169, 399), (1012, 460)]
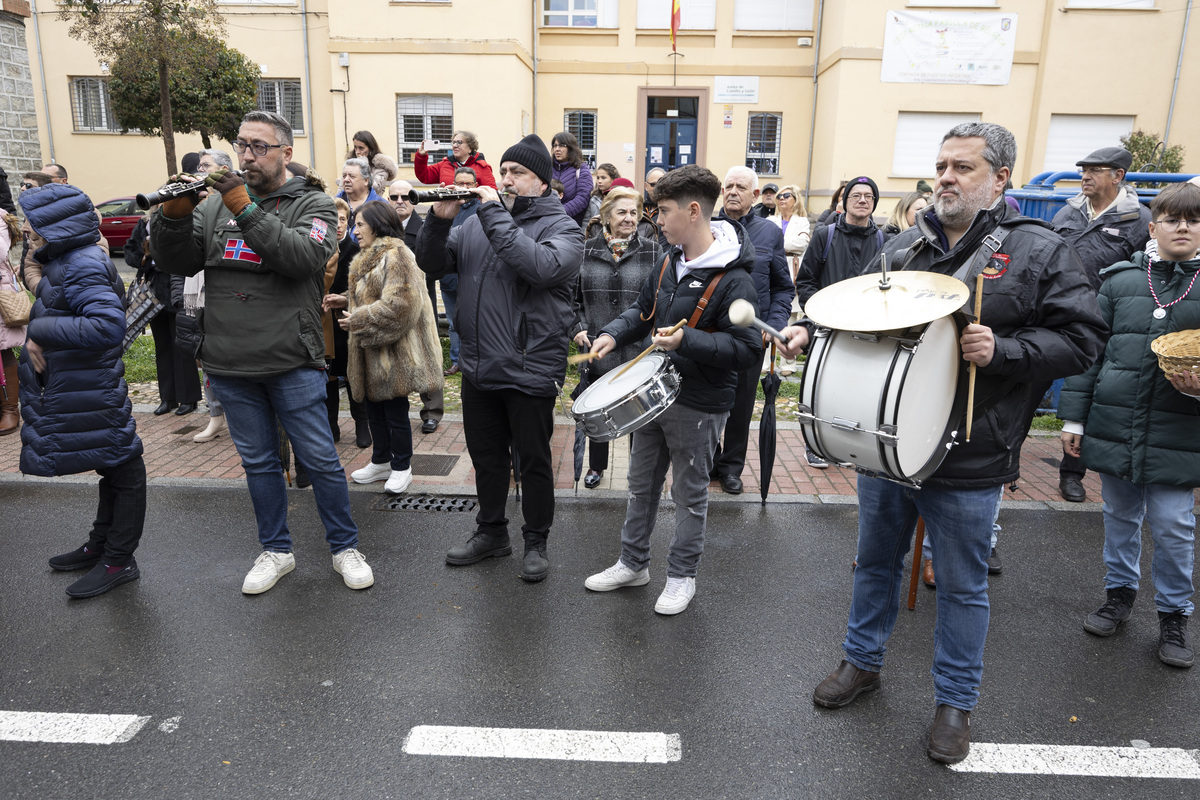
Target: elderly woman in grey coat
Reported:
[(616, 262)]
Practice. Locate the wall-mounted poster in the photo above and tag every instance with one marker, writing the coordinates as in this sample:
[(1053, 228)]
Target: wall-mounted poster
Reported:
[(948, 47)]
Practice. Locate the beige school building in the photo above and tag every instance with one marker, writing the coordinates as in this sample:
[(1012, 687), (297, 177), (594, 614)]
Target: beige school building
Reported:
[(809, 92)]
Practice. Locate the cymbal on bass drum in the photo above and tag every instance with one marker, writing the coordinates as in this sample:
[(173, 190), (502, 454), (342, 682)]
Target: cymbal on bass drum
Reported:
[(866, 303)]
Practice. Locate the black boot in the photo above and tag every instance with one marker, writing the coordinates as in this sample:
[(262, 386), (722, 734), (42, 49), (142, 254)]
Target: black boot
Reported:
[(302, 479), (535, 566), (479, 547), (1105, 620)]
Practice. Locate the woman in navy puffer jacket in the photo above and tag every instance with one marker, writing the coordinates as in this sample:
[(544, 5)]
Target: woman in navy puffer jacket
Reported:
[(76, 406)]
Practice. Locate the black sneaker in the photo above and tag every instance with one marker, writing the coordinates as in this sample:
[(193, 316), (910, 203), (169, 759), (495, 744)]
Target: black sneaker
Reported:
[(995, 565), (1174, 648), (1104, 621), (80, 558), (814, 460), (102, 577)]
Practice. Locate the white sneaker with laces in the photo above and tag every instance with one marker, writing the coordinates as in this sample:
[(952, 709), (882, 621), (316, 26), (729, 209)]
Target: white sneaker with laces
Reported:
[(353, 568), (676, 596), (616, 577), (371, 473), (400, 480), (268, 568)]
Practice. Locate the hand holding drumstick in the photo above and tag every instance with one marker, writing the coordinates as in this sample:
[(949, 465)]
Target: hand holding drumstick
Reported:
[(978, 345)]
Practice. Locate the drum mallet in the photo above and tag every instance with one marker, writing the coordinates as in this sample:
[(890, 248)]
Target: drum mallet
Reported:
[(971, 379), (741, 313)]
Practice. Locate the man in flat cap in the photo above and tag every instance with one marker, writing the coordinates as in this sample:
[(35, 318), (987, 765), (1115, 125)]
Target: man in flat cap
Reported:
[(1105, 224)]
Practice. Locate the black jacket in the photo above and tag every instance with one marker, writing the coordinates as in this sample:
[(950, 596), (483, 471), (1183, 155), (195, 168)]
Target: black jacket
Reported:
[(707, 360), (852, 250), (1043, 312), (1110, 238), (772, 279), (516, 273)]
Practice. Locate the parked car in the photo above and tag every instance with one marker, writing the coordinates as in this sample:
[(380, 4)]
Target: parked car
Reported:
[(120, 215)]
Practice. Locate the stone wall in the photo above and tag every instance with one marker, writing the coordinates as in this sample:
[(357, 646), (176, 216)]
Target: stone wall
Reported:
[(20, 150)]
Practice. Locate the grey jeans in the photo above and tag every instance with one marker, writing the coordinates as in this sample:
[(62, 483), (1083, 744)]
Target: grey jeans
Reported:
[(684, 439)]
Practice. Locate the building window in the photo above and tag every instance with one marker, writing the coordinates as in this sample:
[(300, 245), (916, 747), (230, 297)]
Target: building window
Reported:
[(773, 15), (763, 136), (580, 13), (918, 139), (91, 107), (694, 15), (582, 125), (1072, 136), (422, 116), (282, 97)]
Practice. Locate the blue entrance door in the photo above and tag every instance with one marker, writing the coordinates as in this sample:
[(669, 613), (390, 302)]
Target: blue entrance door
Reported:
[(670, 143)]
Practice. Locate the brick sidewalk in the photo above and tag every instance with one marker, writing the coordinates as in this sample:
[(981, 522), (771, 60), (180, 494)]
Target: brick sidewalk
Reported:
[(171, 454)]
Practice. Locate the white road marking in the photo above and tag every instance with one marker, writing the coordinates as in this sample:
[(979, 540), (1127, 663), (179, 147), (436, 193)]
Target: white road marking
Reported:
[(1099, 762), (644, 748), (33, 726), (170, 725)]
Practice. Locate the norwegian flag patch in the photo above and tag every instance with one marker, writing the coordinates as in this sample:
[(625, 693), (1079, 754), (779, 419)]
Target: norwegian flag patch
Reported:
[(238, 250), (319, 229)]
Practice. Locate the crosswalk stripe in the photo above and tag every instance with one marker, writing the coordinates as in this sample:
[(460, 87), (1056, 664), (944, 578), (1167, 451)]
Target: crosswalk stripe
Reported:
[(1100, 762), (35, 726), (569, 745)]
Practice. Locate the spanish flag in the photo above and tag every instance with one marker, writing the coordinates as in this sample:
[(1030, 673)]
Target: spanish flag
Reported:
[(674, 22)]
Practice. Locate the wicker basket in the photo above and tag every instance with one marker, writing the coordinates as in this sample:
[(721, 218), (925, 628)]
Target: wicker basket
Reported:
[(1178, 352)]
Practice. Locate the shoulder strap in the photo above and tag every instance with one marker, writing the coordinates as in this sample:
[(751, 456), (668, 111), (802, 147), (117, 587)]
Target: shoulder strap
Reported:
[(663, 271), (829, 231), (879, 238), (703, 304)]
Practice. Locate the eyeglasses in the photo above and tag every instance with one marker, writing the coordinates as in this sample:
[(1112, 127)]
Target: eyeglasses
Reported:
[(258, 148), (28, 185), (1172, 224), (854, 198), (1094, 170), (398, 198), (784, 196), (457, 142)]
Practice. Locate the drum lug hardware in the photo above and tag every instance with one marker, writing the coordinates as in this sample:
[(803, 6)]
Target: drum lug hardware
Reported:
[(887, 435), (844, 424), (866, 337)]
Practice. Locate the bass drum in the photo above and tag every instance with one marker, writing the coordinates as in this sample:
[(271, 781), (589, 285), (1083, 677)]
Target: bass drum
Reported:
[(612, 407), (887, 402)]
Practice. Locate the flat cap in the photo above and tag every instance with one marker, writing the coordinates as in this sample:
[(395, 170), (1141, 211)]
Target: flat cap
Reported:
[(1117, 157)]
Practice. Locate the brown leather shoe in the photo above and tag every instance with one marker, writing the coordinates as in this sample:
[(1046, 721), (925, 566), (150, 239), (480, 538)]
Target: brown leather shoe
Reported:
[(927, 573), (454, 370), (950, 737), (843, 686)]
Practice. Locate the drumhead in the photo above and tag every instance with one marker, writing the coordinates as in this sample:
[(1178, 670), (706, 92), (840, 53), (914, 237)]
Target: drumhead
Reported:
[(608, 388), (926, 400)]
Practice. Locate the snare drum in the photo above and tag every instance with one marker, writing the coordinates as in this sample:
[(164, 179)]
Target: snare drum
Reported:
[(612, 407), (883, 402)]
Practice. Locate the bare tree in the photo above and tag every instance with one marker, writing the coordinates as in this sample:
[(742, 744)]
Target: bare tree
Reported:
[(159, 33)]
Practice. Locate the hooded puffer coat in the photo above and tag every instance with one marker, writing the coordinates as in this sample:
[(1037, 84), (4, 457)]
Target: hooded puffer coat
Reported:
[(77, 412)]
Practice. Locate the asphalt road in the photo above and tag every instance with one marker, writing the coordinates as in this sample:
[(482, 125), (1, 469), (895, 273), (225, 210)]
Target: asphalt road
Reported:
[(310, 690)]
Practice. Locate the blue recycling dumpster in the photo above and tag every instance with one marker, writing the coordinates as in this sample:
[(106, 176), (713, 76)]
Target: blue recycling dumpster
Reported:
[(1040, 198)]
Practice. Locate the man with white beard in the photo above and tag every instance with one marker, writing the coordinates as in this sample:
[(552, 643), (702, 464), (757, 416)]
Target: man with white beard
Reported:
[(1041, 322)]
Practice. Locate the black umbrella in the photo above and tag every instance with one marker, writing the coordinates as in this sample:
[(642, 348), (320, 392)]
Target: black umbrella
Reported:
[(766, 429), (585, 378)]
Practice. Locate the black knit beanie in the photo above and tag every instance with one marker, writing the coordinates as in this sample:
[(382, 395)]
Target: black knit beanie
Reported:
[(855, 182), (190, 163), (531, 153)]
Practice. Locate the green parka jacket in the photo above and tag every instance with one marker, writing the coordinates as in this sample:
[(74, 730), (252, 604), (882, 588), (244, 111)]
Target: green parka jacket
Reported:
[(263, 277), (1136, 425)]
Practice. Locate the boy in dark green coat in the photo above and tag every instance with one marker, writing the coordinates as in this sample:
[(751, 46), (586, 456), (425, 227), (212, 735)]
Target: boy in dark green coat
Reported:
[(1143, 428)]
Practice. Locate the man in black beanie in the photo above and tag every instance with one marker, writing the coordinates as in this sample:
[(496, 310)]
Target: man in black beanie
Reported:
[(517, 261), (840, 250)]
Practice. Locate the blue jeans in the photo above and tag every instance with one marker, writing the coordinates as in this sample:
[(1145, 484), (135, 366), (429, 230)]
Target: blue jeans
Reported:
[(450, 301), (1173, 526), (297, 400), (927, 547), (959, 523)]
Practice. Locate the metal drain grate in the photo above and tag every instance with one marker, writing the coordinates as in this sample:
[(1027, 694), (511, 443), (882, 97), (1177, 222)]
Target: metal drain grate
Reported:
[(423, 503), (432, 464)]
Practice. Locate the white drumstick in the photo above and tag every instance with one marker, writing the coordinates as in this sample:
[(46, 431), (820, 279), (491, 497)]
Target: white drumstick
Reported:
[(741, 313)]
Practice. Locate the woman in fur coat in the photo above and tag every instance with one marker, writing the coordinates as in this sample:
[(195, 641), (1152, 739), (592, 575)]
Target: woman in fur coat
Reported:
[(394, 348)]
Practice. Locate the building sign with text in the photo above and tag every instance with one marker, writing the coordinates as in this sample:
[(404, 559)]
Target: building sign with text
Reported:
[(948, 47), (735, 89)]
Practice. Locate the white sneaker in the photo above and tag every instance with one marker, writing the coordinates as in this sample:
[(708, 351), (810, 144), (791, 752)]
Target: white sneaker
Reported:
[(268, 568), (215, 426), (354, 569), (676, 596), (371, 473), (398, 482), (788, 368), (616, 577)]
